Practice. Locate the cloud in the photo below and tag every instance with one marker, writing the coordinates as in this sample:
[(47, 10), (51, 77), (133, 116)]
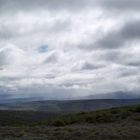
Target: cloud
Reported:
[(115, 39), (11, 55), (131, 30), (39, 5), (53, 57), (69, 48), (89, 66), (29, 5), (121, 4)]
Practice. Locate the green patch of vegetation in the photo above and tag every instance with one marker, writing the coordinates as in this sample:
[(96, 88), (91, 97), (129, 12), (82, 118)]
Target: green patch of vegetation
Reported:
[(94, 117), (110, 124), (32, 118), (137, 119)]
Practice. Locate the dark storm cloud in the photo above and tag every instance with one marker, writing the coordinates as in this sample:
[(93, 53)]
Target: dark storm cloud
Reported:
[(116, 39)]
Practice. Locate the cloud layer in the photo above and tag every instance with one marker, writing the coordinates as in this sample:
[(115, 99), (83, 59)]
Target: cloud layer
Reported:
[(69, 48)]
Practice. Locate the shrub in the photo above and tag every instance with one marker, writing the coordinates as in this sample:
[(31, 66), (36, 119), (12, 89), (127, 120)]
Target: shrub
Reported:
[(58, 123), (137, 119), (114, 111), (137, 109)]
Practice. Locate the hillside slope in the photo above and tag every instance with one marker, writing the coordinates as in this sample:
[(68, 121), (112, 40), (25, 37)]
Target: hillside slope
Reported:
[(110, 124)]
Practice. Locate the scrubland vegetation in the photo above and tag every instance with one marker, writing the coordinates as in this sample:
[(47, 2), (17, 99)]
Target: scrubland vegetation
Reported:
[(110, 124)]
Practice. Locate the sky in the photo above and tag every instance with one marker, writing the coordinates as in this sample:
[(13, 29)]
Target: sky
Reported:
[(69, 48)]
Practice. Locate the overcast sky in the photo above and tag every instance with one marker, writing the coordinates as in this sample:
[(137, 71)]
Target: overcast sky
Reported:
[(69, 48)]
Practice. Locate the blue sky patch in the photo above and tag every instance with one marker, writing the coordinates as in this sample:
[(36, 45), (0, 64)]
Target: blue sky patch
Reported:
[(43, 48)]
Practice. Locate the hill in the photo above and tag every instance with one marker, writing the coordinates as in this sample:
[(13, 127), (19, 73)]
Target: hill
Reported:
[(121, 123)]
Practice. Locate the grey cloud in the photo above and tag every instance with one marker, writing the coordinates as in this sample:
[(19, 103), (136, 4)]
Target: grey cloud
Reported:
[(111, 55), (119, 57), (60, 26), (115, 39), (129, 72), (52, 58), (14, 29), (6, 32), (10, 55), (6, 35), (68, 67), (131, 30), (110, 41), (8, 5), (121, 4), (4, 57), (125, 71), (43, 4), (89, 66), (135, 64)]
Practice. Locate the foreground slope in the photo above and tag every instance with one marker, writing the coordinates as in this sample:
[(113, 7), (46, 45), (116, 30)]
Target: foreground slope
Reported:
[(111, 124)]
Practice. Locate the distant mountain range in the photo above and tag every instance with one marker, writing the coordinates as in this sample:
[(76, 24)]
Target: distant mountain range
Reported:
[(67, 106), (6, 97), (87, 103), (115, 95)]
